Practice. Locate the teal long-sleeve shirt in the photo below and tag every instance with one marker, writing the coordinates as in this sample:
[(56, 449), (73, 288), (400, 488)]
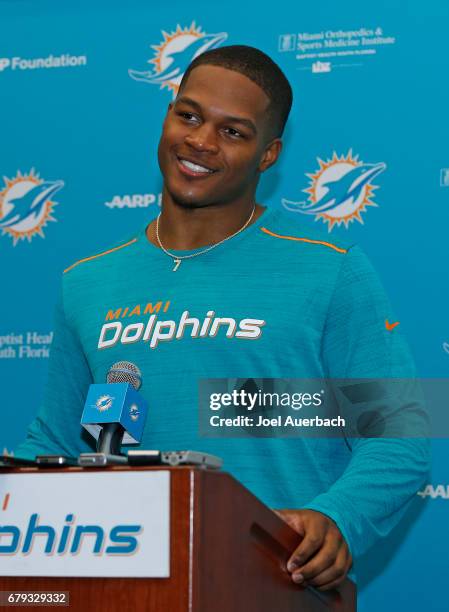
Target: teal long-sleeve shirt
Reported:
[(275, 301)]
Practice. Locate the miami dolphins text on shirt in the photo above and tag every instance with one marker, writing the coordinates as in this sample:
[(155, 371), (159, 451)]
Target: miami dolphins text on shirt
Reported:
[(155, 331)]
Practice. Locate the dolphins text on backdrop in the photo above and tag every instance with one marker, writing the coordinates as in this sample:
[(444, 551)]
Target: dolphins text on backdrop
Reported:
[(69, 538)]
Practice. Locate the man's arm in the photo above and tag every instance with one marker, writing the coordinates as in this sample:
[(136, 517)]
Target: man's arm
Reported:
[(57, 429), (384, 474)]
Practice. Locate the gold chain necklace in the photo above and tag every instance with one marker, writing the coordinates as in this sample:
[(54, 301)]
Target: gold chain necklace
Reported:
[(177, 259)]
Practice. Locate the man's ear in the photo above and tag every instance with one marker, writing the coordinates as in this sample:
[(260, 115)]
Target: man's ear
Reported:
[(271, 154)]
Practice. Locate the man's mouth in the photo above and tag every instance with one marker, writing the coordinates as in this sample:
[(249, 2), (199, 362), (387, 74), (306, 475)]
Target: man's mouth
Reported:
[(191, 168)]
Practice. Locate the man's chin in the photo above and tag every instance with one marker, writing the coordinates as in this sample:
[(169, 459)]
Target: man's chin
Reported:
[(190, 200)]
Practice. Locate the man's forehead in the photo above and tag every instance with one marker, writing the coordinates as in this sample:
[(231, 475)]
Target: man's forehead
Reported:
[(225, 88)]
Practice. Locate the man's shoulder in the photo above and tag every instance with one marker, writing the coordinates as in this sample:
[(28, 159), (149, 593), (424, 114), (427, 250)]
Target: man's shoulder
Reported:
[(291, 231), (115, 255)]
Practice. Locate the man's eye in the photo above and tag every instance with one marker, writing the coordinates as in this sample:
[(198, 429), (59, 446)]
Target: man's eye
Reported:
[(234, 133), (187, 116)]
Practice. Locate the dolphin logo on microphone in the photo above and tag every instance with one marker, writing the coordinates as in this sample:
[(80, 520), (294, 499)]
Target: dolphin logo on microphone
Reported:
[(104, 402), (134, 412)]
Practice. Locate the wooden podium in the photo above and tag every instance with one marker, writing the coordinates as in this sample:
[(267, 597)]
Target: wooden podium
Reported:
[(228, 553)]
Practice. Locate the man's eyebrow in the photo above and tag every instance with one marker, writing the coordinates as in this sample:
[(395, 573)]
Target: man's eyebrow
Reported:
[(247, 122)]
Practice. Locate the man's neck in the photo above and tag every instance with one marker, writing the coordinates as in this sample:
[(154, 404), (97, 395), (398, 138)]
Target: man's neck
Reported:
[(184, 228)]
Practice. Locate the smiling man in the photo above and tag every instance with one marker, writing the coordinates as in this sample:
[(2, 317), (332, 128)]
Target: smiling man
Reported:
[(219, 286), (221, 133)]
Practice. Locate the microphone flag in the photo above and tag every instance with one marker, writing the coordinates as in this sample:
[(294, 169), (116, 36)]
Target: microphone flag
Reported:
[(115, 403)]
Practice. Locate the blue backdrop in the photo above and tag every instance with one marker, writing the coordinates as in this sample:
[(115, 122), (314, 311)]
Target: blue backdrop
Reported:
[(83, 90)]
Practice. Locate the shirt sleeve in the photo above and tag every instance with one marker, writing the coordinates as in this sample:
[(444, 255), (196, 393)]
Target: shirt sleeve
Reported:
[(384, 473), (57, 429)]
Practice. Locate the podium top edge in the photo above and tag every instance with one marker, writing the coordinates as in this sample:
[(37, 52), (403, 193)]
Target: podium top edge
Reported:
[(110, 468)]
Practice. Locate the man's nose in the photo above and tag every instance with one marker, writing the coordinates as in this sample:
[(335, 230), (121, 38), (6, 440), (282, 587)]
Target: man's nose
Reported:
[(201, 139)]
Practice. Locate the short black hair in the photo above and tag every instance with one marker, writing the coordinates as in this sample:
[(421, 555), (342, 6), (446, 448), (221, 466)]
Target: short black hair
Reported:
[(259, 68)]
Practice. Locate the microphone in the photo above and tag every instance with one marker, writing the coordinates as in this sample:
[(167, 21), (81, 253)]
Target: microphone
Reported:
[(125, 372), (114, 413)]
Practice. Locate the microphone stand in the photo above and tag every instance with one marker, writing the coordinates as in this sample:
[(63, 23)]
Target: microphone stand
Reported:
[(110, 439)]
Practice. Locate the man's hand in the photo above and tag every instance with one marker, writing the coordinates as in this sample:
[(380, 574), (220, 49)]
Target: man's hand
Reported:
[(322, 559)]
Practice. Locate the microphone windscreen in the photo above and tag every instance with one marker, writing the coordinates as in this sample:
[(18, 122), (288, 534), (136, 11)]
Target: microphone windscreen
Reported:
[(125, 372)]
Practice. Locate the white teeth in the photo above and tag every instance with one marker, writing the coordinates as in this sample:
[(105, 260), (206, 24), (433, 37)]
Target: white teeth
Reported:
[(194, 167)]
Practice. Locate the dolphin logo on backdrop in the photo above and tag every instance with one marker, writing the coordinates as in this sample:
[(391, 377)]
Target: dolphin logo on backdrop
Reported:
[(26, 205), (175, 53), (339, 191)]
